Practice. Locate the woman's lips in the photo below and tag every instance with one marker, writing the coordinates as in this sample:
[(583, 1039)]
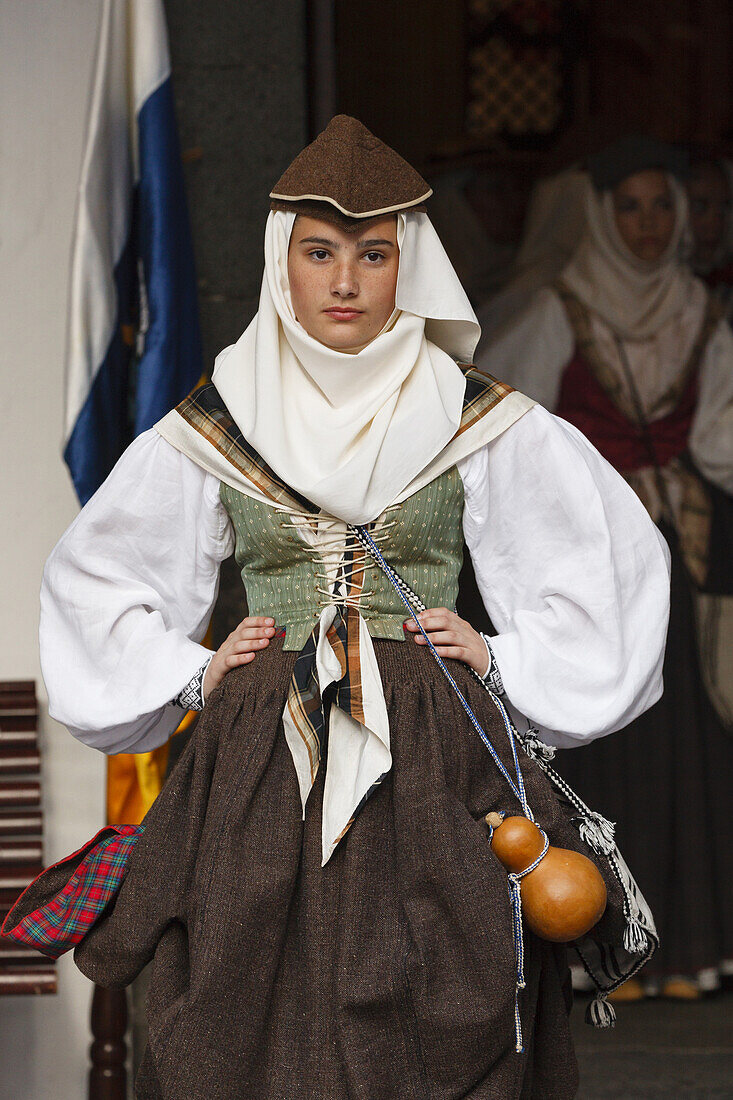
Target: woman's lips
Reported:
[(343, 314)]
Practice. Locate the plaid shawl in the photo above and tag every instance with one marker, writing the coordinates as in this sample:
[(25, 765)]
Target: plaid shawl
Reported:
[(62, 923), (202, 427)]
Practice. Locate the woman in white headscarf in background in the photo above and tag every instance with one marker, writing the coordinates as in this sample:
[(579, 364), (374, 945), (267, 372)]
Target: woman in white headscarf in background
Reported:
[(315, 881), (629, 347)]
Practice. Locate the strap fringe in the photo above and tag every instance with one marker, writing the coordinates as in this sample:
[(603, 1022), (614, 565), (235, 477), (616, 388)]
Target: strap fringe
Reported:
[(598, 832), (600, 1013), (635, 938), (535, 747)]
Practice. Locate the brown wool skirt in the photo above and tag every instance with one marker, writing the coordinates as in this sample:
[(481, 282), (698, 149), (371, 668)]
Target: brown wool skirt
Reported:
[(388, 974)]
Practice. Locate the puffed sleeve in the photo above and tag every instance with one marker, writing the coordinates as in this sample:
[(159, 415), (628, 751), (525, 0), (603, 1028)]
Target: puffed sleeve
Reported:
[(711, 436), (127, 595), (574, 575)]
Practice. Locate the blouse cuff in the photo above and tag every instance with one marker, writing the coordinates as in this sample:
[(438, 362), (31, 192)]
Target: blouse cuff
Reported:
[(492, 676), (191, 697)]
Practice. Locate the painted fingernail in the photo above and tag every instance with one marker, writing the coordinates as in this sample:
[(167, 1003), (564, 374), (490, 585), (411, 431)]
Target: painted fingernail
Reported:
[(270, 622)]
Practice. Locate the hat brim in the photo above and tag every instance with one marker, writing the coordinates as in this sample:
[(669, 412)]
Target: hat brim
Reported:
[(324, 210)]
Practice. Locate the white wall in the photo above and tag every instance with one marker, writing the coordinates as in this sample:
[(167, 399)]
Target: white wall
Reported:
[(46, 52)]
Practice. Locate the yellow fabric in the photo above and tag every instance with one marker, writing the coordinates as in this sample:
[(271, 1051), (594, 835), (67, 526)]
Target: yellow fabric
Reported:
[(134, 780)]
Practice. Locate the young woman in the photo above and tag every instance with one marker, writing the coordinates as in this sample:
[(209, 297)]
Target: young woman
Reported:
[(315, 882), (629, 347)]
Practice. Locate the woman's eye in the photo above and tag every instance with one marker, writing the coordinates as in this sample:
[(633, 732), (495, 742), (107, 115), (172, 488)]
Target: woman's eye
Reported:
[(664, 204), (374, 257), (625, 206), (319, 254)]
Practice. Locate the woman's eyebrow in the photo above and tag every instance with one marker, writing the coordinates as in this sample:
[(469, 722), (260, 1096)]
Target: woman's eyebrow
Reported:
[(373, 241), (320, 240)]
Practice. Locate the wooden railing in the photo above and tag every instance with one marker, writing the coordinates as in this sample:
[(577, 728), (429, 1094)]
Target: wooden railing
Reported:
[(22, 970), (108, 1052)]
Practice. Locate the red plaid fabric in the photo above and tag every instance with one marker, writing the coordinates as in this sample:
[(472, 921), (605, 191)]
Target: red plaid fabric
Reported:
[(60, 924)]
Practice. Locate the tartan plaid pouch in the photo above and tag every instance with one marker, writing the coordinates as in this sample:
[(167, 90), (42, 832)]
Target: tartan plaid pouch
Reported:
[(70, 896)]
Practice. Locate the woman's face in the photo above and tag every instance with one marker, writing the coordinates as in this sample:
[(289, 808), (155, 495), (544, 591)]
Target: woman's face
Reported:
[(342, 285), (644, 210), (709, 199)]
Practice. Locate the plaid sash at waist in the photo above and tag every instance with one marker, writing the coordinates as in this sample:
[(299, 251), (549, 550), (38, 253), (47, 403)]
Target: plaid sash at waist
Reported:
[(353, 719), (58, 922)]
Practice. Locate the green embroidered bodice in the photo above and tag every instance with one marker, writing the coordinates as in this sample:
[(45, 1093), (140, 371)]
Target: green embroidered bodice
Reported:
[(285, 568)]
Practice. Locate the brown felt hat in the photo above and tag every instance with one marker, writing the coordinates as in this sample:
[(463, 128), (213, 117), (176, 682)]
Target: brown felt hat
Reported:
[(348, 171)]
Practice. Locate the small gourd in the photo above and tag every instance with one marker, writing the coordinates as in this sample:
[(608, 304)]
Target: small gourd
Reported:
[(564, 896)]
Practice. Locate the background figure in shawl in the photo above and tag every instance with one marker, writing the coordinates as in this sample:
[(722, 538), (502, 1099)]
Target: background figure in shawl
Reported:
[(553, 226), (710, 196), (630, 347), (478, 215)]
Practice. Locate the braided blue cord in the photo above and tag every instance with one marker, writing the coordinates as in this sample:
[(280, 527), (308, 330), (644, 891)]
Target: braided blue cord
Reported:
[(396, 581), (555, 778), (515, 897), (514, 879)]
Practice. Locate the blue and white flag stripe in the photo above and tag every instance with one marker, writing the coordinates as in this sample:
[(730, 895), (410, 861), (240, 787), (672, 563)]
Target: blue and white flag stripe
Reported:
[(132, 263)]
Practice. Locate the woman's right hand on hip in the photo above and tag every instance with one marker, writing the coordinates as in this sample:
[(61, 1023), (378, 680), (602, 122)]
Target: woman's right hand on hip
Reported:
[(240, 648)]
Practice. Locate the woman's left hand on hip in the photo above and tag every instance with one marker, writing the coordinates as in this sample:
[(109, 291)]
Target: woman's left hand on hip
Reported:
[(452, 637)]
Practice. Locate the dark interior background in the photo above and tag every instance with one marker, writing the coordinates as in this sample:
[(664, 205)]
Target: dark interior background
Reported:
[(511, 89), (527, 83)]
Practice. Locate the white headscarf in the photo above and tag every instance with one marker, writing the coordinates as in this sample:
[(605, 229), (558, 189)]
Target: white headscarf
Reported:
[(350, 430), (635, 297)]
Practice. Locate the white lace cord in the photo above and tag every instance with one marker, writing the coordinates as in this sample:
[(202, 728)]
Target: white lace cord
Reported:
[(342, 544), (515, 878)]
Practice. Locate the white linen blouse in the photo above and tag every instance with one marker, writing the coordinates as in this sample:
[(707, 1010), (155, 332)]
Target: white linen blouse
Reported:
[(572, 571)]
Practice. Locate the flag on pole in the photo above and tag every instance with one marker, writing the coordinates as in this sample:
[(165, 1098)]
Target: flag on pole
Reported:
[(134, 347)]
